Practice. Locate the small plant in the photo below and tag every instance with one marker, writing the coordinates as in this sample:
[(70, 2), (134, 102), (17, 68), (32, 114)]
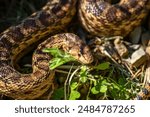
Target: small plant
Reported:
[(97, 81), (59, 57)]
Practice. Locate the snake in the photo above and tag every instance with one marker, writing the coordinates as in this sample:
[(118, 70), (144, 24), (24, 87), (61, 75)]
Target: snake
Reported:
[(98, 17)]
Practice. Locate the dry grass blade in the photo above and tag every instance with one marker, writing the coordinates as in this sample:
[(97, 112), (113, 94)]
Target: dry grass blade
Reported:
[(147, 74)]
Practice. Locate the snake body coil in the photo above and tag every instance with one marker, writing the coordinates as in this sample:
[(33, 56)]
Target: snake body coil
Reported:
[(101, 18), (97, 16), (55, 15)]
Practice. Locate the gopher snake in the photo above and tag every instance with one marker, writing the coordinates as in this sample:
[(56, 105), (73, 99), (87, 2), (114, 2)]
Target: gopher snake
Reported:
[(97, 16)]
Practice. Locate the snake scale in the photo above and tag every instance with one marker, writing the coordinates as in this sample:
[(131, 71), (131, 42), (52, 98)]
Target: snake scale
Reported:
[(98, 17)]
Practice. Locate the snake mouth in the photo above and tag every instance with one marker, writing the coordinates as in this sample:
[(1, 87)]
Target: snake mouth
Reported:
[(87, 56)]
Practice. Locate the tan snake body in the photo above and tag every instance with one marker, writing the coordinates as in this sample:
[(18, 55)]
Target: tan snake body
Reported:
[(97, 16), (112, 20)]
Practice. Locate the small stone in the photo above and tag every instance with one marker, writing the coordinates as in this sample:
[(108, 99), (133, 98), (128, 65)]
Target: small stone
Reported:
[(138, 57), (135, 46), (135, 35), (148, 50)]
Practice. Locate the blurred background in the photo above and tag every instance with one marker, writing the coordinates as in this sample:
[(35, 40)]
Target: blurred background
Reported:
[(13, 11)]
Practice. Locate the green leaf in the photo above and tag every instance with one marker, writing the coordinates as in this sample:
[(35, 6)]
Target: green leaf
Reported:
[(58, 94), (100, 87), (60, 57), (53, 51), (94, 90), (55, 62), (103, 66), (83, 74), (74, 85), (74, 95), (104, 82), (83, 79), (115, 86), (121, 81), (103, 88)]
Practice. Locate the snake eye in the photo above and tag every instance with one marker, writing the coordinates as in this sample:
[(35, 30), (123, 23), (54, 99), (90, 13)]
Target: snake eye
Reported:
[(79, 54)]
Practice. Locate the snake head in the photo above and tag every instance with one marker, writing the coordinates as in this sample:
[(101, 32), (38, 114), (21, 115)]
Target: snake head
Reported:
[(77, 48), (82, 54), (71, 44)]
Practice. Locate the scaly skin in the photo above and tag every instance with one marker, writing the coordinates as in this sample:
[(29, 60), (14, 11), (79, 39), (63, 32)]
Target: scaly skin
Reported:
[(97, 16), (101, 18)]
